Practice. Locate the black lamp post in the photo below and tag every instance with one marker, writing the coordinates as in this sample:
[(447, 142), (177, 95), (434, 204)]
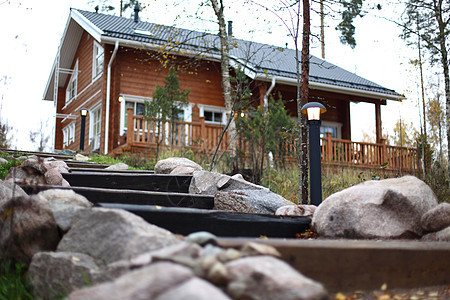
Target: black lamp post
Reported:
[(83, 113), (313, 110)]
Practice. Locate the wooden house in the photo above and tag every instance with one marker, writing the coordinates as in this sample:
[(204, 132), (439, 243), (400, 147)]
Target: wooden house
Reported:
[(111, 66)]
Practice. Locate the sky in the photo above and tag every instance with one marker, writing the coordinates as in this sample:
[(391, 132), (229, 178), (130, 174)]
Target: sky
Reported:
[(31, 32)]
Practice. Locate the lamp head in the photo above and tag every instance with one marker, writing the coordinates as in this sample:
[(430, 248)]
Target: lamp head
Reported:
[(121, 99), (83, 112), (313, 110)]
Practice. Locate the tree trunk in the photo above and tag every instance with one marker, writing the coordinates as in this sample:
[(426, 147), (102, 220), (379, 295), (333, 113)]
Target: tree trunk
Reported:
[(445, 62), (303, 94), (225, 69)]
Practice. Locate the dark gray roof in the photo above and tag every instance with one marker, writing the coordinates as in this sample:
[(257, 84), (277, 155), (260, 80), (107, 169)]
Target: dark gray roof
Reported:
[(260, 58)]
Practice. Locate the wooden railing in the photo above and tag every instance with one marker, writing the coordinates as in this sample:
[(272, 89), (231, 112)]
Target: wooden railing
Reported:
[(201, 136)]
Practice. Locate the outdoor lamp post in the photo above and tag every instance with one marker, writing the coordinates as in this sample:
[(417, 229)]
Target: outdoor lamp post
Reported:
[(83, 113), (313, 110)]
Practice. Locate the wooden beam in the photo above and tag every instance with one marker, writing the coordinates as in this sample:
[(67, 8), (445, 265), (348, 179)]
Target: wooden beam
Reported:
[(350, 265), (228, 224), (100, 195), (144, 182)]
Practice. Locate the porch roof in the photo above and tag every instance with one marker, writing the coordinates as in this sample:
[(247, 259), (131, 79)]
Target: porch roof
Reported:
[(260, 61)]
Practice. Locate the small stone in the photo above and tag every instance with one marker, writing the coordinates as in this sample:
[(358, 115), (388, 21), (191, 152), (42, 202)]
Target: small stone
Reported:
[(165, 166), (218, 274), (440, 236), (202, 238), (229, 255), (118, 166), (296, 210), (2, 161), (253, 249), (183, 170), (81, 157)]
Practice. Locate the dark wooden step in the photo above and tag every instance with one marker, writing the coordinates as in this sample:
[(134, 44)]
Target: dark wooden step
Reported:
[(100, 195), (98, 170), (132, 181), (226, 224)]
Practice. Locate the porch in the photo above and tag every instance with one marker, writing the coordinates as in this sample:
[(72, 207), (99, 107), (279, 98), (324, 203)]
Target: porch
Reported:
[(201, 136)]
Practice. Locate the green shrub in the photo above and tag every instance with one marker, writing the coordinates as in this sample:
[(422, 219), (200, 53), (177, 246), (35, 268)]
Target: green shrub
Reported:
[(5, 167), (13, 282)]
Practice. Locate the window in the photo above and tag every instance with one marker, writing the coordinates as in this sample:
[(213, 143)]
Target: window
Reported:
[(138, 110), (68, 134), (97, 63), (213, 117), (212, 114), (95, 127), (71, 91), (333, 127)]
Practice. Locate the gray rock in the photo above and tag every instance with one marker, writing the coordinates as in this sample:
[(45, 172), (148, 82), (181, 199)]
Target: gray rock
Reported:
[(119, 166), (111, 235), (253, 249), (389, 208), (440, 236), (8, 190), (183, 170), (249, 201), (202, 238), (64, 204), (81, 157), (146, 283), (3, 161), (209, 183), (53, 177), (36, 164), (186, 250), (296, 210), (165, 166), (436, 218), (56, 274), (26, 175), (265, 277), (58, 165), (27, 226), (194, 289)]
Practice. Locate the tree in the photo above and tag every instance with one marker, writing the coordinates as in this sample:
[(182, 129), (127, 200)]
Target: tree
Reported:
[(429, 20), (436, 121), (40, 137), (165, 106), (405, 134)]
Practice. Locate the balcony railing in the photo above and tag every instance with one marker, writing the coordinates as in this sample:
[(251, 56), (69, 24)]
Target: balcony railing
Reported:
[(201, 136)]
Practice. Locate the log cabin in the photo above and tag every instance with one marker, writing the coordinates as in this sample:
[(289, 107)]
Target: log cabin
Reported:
[(111, 65)]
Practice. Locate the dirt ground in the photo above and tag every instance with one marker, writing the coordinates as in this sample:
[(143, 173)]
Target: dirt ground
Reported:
[(384, 293)]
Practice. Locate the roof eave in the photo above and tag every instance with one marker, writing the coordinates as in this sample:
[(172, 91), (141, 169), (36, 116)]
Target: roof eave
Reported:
[(87, 25), (333, 88)]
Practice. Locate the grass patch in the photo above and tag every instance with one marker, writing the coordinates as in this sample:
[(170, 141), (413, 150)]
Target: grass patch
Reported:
[(5, 167), (13, 282)]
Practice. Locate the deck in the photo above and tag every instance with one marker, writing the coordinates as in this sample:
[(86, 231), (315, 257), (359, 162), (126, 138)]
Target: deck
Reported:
[(151, 134)]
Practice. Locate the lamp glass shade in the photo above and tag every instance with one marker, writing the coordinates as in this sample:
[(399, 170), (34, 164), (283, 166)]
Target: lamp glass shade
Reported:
[(83, 112), (121, 99), (313, 113)]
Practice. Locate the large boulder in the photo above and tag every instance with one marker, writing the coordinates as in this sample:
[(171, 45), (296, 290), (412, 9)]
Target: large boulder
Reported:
[(56, 274), (436, 218), (209, 183), (27, 226), (165, 166), (265, 277), (145, 283), (390, 208), (8, 190), (40, 171), (111, 235), (260, 201), (64, 204)]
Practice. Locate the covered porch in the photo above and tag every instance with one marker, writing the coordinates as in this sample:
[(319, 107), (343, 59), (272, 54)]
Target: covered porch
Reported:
[(199, 136)]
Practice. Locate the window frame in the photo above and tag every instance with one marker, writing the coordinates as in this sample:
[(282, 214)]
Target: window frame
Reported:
[(68, 134), (336, 125), (92, 126), (213, 109), (96, 71), (72, 85)]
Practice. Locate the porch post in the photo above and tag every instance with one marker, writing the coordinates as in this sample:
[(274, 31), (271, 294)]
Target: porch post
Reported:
[(329, 148), (379, 135), (130, 126)]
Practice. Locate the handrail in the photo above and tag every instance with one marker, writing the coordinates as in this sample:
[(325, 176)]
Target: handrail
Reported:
[(202, 136)]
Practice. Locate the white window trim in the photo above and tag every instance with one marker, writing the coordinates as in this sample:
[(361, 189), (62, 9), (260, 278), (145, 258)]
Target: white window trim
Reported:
[(337, 125), (203, 107), (91, 122), (73, 77), (96, 75), (69, 134), (187, 109)]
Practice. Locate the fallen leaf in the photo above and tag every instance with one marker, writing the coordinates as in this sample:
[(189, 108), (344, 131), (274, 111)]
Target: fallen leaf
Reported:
[(383, 287), (340, 296)]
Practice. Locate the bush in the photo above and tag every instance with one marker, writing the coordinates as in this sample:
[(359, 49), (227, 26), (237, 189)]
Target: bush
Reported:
[(13, 282)]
